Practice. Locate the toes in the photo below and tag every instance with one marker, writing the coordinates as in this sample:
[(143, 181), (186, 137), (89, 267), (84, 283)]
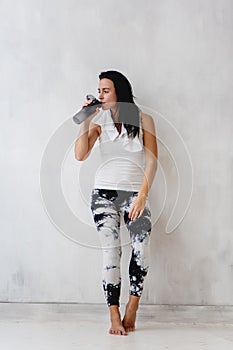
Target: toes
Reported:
[(120, 331), (117, 332)]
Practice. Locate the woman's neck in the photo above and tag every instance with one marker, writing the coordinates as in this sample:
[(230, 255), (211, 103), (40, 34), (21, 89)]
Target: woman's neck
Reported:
[(115, 114)]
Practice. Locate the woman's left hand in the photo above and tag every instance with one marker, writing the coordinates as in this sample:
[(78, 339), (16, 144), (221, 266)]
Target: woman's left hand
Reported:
[(137, 207)]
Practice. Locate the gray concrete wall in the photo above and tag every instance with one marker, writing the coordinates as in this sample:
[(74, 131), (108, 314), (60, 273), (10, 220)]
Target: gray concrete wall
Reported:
[(178, 57)]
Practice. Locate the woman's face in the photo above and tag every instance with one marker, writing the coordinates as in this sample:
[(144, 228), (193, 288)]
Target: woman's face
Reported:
[(107, 93)]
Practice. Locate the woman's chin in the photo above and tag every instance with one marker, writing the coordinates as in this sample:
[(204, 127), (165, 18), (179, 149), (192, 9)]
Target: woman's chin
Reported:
[(105, 106)]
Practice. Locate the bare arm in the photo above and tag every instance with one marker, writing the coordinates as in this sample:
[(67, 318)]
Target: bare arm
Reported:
[(87, 137), (151, 154)]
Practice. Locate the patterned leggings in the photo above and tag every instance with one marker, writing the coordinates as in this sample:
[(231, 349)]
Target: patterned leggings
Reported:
[(107, 206)]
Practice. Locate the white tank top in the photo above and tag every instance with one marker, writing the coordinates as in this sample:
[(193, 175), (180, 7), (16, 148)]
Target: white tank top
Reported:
[(122, 158)]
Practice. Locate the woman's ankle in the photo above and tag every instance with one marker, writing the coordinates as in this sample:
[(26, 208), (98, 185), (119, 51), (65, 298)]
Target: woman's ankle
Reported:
[(133, 302), (114, 309)]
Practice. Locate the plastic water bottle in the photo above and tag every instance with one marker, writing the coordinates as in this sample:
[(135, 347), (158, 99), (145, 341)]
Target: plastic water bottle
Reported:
[(86, 111)]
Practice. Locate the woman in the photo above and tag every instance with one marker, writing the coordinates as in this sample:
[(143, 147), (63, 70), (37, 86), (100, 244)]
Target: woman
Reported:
[(129, 153)]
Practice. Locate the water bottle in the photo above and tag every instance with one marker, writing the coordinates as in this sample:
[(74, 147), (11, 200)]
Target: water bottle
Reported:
[(86, 111)]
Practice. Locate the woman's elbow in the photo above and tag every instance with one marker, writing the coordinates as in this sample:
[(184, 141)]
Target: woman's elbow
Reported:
[(80, 157)]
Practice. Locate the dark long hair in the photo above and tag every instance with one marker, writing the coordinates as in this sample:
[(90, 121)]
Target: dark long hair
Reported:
[(128, 112)]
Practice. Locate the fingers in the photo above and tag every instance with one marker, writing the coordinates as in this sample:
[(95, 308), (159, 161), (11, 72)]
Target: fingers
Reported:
[(135, 213), (137, 208), (87, 103)]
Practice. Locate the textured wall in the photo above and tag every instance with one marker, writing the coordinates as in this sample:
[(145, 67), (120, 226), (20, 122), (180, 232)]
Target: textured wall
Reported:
[(178, 57)]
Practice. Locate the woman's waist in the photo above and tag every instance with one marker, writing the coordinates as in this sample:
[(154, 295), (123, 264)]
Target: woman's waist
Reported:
[(123, 160), (124, 167)]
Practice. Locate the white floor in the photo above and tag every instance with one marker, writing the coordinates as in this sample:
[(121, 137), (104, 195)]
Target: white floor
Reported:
[(78, 326)]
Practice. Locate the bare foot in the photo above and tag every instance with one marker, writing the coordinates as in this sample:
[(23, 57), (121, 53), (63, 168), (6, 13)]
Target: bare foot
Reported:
[(116, 327), (130, 317)]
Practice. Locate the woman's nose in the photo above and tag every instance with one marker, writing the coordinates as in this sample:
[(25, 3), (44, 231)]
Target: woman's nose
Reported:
[(100, 95)]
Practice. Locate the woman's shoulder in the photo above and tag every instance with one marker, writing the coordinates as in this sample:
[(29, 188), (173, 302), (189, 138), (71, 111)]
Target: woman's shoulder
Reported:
[(147, 121)]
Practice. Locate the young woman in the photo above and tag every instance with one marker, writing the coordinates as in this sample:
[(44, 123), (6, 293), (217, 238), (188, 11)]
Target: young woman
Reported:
[(128, 149)]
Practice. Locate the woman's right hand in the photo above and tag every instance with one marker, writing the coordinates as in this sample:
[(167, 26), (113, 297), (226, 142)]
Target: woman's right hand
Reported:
[(86, 103)]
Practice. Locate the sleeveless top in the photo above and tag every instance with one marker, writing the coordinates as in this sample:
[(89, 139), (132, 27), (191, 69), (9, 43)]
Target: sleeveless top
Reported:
[(122, 158)]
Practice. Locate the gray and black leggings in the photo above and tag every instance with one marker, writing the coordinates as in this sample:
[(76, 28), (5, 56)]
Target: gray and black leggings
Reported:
[(107, 206)]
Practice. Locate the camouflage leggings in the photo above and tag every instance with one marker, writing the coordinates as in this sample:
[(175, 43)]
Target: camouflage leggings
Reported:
[(107, 206)]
